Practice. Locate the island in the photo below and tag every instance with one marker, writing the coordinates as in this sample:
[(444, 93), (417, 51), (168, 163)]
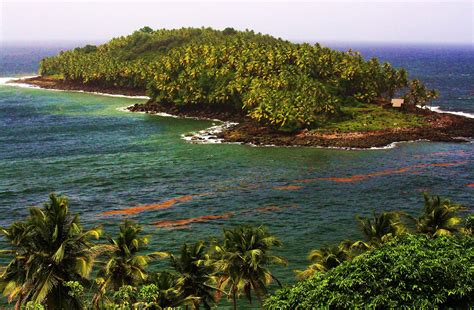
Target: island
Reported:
[(277, 92)]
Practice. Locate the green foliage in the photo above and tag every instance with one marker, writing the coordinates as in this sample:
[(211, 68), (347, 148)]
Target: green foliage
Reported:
[(413, 271), (285, 85), (419, 94), (31, 305), (367, 117), (325, 259), (468, 228), (166, 291), (52, 257), (291, 105), (196, 273), (229, 31), (48, 249), (123, 298), (242, 260), (146, 29), (75, 288), (440, 217), (382, 227), (125, 264), (86, 49)]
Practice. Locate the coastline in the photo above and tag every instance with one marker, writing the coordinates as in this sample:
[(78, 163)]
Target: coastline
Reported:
[(39, 82), (442, 126)]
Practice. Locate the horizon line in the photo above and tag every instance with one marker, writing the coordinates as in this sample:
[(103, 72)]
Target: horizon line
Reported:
[(293, 40)]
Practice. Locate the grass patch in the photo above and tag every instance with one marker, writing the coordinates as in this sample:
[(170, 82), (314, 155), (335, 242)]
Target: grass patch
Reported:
[(55, 76), (368, 117)]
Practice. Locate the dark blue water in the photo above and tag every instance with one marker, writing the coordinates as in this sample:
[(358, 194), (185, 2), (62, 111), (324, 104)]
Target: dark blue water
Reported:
[(23, 58), (106, 160), (450, 69)]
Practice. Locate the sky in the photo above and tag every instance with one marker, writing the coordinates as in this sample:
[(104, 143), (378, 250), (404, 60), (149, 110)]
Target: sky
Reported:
[(410, 21)]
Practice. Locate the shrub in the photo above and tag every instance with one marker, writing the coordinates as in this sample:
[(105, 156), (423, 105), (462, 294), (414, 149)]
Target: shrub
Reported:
[(409, 272)]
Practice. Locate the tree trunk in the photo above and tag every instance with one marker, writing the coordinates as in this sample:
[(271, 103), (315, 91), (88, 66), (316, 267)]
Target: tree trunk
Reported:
[(18, 303), (234, 301)]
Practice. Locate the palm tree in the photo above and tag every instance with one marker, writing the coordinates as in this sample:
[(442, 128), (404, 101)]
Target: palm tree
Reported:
[(49, 249), (242, 261), (14, 275), (382, 227), (165, 291), (125, 265), (439, 217), (324, 259), (327, 258), (196, 273)]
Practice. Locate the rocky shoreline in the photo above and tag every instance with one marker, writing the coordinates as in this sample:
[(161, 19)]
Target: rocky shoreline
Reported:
[(441, 127)]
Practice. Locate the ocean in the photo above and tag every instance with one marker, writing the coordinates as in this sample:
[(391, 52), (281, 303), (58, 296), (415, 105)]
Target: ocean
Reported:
[(83, 146)]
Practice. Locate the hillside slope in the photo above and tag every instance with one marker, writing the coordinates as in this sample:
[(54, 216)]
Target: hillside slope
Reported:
[(276, 83)]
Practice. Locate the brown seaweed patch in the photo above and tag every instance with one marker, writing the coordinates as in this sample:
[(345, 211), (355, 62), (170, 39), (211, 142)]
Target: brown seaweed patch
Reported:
[(163, 205), (268, 209), (445, 164), (288, 187), (360, 177), (199, 219)]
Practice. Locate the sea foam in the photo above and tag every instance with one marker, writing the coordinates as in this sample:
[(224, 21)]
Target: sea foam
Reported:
[(209, 135), (437, 109)]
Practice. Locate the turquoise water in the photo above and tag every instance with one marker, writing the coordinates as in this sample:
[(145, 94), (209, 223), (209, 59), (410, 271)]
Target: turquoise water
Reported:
[(103, 159)]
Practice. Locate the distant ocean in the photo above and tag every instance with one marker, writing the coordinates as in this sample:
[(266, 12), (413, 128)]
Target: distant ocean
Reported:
[(103, 159)]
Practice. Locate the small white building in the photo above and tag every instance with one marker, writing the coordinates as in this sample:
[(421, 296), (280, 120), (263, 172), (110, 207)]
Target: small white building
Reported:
[(397, 102)]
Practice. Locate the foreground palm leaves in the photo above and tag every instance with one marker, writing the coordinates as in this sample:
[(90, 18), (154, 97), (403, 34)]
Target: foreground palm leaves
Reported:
[(242, 261), (49, 248), (125, 264), (195, 272), (382, 227), (324, 259), (440, 217), (51, 258), (165, 292)]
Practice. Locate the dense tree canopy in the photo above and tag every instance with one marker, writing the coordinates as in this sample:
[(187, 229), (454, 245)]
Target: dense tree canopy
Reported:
[(409, 272), (286, 85)]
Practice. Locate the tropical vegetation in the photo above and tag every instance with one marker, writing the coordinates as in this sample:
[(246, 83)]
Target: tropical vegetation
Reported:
[(281, 84), (409, 272), (242, 262), (124, 264), (402, 261), (48, 249)]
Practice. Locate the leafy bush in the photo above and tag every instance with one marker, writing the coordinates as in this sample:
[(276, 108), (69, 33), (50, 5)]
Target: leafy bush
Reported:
[(410, 272)]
